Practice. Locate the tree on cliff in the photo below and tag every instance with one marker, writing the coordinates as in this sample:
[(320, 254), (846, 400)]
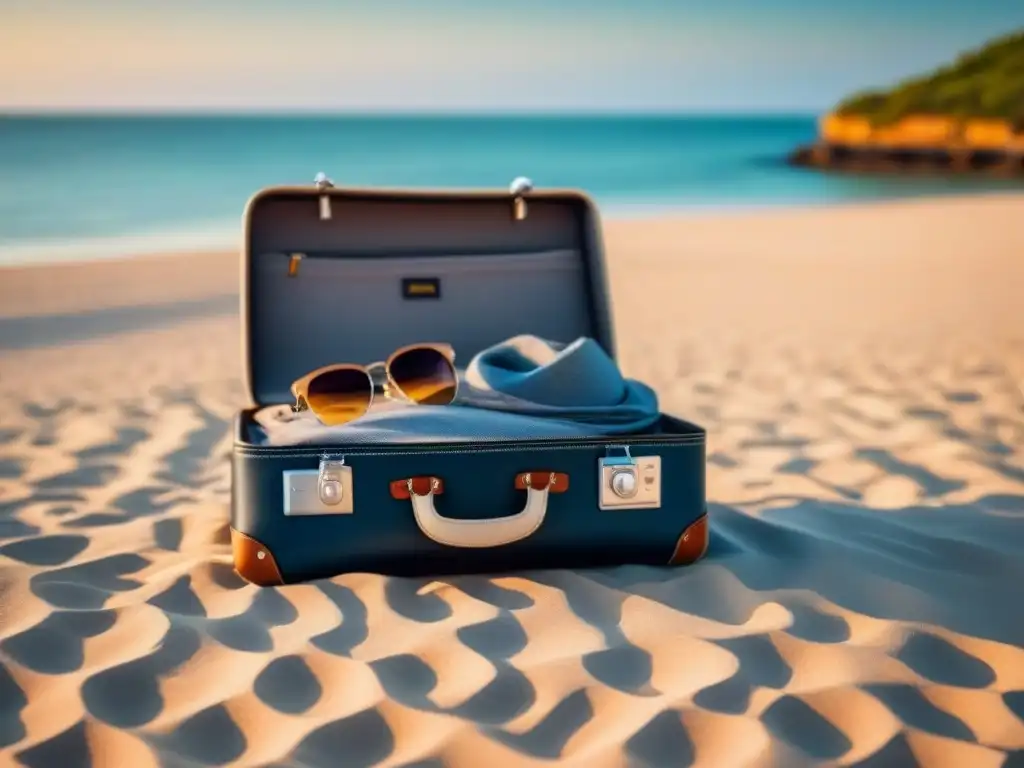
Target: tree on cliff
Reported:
[(985, 83)]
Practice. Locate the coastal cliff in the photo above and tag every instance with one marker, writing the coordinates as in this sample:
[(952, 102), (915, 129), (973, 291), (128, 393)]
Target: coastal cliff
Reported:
[(967, 117)]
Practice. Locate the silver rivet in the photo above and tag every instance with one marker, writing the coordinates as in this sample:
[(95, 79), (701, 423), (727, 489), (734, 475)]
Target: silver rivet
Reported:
[(520, 186), (260, 555)]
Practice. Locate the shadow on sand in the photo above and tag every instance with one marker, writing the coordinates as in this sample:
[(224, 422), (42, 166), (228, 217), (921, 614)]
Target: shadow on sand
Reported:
[(941, 573), (50, 330)]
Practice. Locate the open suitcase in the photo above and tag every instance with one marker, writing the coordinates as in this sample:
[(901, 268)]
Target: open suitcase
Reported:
[(333, 275)]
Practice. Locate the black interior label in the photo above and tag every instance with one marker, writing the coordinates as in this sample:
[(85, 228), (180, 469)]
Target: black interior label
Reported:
[(421, 288)]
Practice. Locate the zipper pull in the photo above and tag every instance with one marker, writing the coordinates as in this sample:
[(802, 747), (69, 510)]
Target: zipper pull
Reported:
[(293, 264), (323, 184)]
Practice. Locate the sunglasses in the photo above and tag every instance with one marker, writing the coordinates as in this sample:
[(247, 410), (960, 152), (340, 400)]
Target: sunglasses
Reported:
[(420, 373)]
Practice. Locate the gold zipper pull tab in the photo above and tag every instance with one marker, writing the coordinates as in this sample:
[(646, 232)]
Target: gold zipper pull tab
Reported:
[(293, 264)]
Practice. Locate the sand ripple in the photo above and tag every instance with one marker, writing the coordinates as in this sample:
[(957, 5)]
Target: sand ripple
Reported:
[(820, 629), (861, 603)]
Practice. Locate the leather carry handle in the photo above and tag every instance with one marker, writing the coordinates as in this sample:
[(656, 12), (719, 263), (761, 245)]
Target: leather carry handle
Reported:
[(489, 532)]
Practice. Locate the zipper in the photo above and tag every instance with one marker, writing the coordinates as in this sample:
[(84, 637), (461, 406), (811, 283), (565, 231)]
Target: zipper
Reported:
[(381, 264), (412, 449), (425, 253)]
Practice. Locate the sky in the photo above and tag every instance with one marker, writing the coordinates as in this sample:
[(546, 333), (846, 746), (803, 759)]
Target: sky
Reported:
[(475, 55)]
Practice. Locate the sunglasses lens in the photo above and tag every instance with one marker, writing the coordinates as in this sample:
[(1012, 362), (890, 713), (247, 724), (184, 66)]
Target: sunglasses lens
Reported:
[(339, 396), (425, 376)]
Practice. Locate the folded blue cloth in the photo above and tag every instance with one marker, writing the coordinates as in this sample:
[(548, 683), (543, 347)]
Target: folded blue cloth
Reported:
[(575, 382), (524, 388)]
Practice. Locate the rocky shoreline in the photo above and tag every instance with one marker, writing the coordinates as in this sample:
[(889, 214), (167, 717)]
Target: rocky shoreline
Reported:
[(949, 160)]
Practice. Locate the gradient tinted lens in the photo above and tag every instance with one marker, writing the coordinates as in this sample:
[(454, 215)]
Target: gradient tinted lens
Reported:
[(425, 376), (339, 396)]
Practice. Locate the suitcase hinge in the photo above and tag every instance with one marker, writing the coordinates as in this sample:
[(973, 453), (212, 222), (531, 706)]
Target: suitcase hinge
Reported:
[(519, 188), (323, 184)]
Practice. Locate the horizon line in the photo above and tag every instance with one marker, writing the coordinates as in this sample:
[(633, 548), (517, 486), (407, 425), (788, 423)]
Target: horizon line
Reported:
[(183, 112)]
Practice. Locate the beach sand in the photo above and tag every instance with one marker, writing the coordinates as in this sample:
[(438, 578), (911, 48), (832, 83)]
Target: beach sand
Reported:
[(862, 603)]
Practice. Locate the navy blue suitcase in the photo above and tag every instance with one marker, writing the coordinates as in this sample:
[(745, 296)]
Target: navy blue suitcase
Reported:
[(332, 275)]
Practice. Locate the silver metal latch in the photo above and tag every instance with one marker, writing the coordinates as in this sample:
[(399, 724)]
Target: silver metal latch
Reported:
[(329, 482), (323, 491), (323, 184), (519, 188), (628, 482)]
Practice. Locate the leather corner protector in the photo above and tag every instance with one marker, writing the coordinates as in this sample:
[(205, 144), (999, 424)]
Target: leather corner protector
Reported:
[(539, 481), (421, 486), (254, 562), (692, 543)]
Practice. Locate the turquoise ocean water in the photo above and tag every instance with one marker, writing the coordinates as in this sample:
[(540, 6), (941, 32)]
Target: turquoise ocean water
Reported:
[(90, 187)]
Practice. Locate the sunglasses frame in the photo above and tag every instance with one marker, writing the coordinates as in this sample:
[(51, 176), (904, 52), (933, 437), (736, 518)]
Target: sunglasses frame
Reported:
[(300, 387)]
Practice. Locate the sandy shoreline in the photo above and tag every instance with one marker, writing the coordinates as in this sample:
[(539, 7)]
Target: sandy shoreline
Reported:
[(858, 369)]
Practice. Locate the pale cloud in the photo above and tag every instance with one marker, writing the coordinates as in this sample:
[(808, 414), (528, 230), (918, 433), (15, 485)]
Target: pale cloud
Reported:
[(399, 54), (238, 61)]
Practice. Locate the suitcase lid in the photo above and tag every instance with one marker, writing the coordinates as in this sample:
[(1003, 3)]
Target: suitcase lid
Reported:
[(347, 275)]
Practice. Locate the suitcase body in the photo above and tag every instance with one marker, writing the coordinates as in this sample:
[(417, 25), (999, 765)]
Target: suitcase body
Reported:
[(335, 275)]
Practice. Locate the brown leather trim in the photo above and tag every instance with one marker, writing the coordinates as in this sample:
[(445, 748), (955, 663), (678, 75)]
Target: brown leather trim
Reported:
[(254, 562), (420, 486), (692, 543), (539, 480)]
